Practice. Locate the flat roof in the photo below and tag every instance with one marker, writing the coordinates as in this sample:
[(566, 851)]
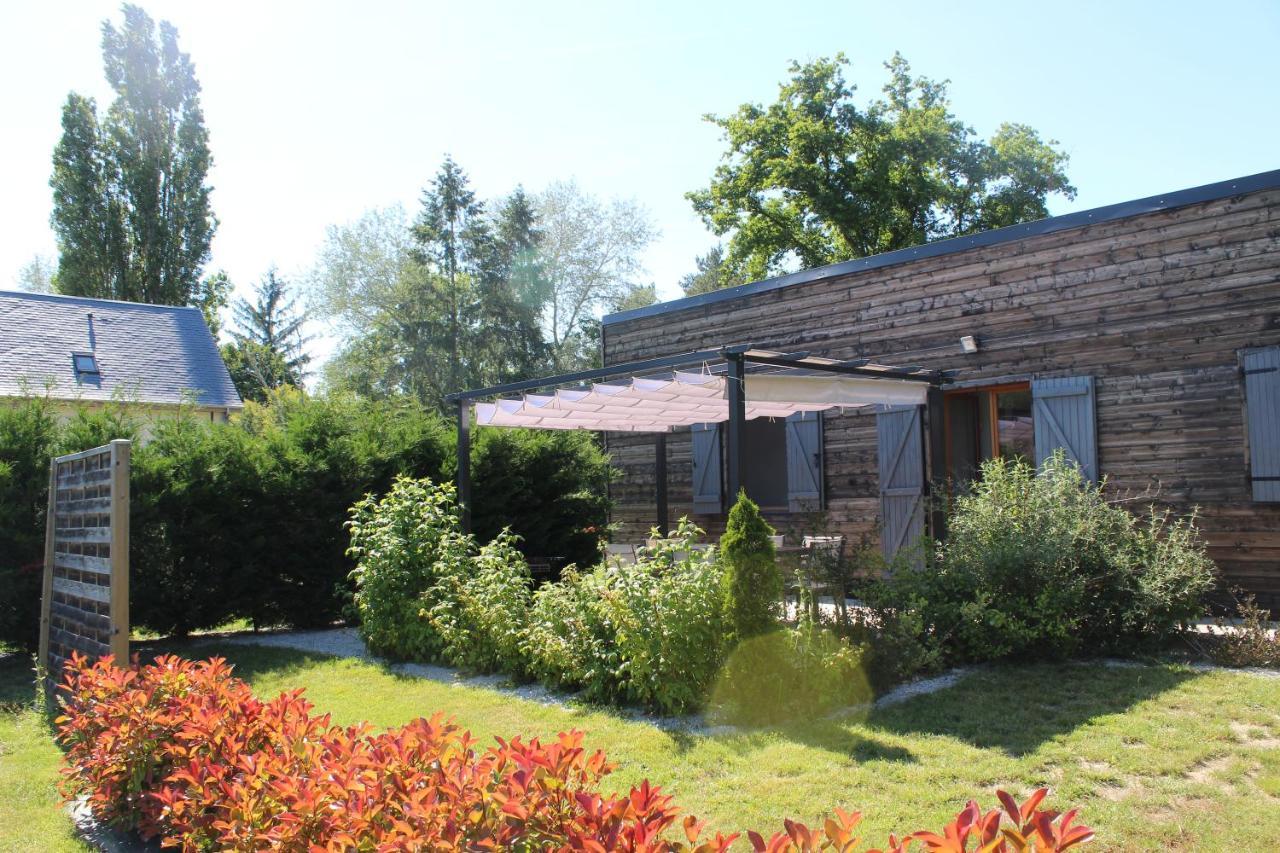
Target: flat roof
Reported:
[(953, 245)]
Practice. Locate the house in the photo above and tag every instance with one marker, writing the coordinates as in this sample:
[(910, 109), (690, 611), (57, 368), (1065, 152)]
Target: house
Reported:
[(1142, 338), (89, 352)]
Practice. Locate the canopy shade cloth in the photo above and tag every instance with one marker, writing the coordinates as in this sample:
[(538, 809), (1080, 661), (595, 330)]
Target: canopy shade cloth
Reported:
[(649, 404)]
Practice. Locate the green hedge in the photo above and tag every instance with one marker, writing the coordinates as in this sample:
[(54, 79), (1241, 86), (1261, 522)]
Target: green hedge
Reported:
[(247, 519)]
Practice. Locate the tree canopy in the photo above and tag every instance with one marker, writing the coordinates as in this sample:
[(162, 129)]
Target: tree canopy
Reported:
[(269, 343), (814, 178), (131, 209), (475, 293)]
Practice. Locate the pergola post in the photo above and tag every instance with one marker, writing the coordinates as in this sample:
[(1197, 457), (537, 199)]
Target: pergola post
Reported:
[(735, 428), (660, 481), (936, 473), (464, 462)]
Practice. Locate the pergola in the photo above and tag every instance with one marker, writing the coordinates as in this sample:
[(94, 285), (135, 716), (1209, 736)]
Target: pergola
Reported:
[(730, 385)]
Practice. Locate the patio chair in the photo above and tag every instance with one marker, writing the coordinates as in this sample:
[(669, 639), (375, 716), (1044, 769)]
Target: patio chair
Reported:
[(822, 570)]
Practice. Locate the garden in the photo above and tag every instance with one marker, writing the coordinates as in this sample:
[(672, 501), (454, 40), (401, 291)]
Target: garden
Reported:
[(676, 705)]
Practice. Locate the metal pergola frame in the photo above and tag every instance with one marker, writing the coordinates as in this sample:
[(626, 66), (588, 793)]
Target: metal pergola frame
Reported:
[(735, 362)]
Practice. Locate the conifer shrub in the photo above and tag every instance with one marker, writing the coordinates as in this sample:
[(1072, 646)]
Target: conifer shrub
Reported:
[(752, 582)]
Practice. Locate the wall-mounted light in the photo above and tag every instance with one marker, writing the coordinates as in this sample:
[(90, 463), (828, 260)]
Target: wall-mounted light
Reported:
[(969, 344)]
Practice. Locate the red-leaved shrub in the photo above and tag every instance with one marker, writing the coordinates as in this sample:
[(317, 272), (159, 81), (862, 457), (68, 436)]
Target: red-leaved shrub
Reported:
[(184, 751)]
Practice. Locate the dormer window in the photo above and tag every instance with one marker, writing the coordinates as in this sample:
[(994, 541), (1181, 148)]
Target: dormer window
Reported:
[(85, 364)]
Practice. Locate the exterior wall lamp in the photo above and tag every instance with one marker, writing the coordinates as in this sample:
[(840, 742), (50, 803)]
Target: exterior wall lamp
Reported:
[(969, 344)]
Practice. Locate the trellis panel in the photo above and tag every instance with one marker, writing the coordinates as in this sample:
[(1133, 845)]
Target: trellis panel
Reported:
[(85, 596)]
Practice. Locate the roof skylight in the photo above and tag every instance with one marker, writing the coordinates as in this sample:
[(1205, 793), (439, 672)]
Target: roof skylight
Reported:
[(85, 364)]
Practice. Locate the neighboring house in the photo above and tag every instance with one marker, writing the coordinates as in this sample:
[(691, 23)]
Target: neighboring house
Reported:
[(77, 351), (1143, 338)]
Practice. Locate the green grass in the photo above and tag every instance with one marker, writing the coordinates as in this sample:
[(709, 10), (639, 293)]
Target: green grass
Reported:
[(1157, 757)]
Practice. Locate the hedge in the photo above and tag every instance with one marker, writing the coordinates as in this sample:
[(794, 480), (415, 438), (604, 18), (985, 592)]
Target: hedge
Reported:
[(246, 519)]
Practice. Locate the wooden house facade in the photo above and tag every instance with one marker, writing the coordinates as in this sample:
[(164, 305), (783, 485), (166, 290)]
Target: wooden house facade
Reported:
[(1142, 338)]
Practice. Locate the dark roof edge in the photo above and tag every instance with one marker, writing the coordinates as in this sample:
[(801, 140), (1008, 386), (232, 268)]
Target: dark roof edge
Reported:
[(1123, 210), (67, 297)]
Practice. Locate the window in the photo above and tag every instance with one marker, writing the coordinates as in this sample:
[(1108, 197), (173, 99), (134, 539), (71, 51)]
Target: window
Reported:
[(985, 423), (85, 364), (765, 477)]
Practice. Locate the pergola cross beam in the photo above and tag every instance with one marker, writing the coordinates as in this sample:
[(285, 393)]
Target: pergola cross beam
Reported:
[(735, 363)]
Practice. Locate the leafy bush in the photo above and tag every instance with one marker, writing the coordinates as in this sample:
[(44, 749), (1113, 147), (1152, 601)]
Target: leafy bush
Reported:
[(1039, 564), (752, 582), (184, 751), (481, 613), (651, 633), (405, 545)]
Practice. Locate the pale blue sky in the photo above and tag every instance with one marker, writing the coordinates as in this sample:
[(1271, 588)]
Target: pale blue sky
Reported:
[(318, 111)]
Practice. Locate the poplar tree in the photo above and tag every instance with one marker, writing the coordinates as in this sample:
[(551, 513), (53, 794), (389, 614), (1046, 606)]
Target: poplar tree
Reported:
[(131, 209)]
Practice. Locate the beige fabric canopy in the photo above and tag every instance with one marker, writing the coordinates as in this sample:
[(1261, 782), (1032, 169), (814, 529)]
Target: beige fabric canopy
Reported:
[(644, 404)]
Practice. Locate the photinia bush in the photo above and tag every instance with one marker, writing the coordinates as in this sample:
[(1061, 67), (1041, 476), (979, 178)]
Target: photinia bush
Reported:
[(182, 750)]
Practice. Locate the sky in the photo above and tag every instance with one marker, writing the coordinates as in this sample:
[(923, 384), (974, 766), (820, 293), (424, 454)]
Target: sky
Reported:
[(318, 111)]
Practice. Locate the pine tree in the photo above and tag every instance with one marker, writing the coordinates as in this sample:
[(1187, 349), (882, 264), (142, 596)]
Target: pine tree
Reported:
[(131, 206), (269, 349)]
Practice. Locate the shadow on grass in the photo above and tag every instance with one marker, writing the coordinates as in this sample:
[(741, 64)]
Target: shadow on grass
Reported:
[(249, 660), (1017, 709)]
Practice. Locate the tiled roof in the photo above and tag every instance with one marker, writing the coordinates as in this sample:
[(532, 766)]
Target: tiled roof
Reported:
[(145, 353)]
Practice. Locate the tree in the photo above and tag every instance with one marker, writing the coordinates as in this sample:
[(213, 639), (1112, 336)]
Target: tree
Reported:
[(131, 208), (272, 321), (711, 274), (591, 256), (36, 275), (256, 369), (813, 179), (451, 302)]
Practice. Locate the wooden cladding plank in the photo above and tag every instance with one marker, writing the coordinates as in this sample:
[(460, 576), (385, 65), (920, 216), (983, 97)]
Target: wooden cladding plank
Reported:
[(79, 589)]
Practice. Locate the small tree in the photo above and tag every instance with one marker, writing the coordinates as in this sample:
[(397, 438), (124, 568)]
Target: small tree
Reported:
[(752, 582)]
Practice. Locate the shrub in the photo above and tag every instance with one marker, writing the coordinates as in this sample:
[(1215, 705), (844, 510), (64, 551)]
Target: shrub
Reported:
[(1039, 564), (1250, 642), (651, 633), (481, 613), (406, 544), (184, 751), (752, 582)]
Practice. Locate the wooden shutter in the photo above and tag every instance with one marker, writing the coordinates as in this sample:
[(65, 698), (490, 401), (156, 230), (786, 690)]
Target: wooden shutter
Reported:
[(804, 461), (900, 443), (706, 469), (1063, 413), (1262, 412)]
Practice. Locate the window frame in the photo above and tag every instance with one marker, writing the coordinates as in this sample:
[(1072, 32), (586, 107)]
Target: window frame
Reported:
[(93, 360), (992, 392)]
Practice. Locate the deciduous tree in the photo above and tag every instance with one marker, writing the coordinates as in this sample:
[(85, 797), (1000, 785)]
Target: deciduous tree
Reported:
[(814, 178)]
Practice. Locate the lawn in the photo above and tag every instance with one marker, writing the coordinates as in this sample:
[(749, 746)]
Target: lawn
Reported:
[(1156, 756)]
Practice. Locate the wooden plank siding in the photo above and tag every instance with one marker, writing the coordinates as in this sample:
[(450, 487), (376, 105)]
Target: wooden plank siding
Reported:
[(1155, 306)]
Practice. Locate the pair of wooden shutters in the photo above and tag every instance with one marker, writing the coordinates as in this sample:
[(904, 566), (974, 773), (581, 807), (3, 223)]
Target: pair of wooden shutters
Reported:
[(1262, 414), (1063, 414), (804, 465)]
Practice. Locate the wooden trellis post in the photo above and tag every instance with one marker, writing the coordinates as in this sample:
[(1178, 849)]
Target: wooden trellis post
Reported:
[(85, 598)]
